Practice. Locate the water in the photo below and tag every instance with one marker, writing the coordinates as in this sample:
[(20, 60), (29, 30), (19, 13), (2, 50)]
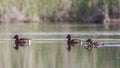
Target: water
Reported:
[(49, 49)]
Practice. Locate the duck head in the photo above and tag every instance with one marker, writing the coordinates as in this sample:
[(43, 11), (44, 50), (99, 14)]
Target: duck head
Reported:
[(89, 40), (16, 37), (68, 42), (68, 36)]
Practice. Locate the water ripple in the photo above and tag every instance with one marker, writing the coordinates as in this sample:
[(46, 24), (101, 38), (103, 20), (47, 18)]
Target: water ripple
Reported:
[(89, 33)]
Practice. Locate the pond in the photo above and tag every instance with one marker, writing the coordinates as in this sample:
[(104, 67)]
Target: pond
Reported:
[(49, 49)]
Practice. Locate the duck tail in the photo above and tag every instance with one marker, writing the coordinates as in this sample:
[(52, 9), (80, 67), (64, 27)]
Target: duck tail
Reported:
[(29, 42)]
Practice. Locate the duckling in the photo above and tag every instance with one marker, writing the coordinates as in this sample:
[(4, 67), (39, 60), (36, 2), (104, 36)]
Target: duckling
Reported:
[(89, 44)]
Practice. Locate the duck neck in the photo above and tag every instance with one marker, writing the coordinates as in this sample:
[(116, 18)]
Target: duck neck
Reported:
[(68, 40), (17, 38)]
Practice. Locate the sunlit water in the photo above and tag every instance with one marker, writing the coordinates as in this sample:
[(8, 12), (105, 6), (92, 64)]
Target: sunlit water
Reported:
[(49, 49)]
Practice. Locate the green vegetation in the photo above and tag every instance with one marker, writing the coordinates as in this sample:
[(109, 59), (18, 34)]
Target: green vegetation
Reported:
[(58, 10), (30, 6)]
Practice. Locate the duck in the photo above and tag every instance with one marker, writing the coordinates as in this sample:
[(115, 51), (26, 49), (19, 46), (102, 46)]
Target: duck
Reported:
[(21, 42), (72, 42), (89, 44)]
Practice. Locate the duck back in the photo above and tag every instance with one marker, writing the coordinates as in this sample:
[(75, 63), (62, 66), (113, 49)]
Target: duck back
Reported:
[(24, 42), (75, 42)]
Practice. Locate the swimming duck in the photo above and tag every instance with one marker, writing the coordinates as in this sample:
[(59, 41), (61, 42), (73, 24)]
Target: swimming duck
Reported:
[(72, 42), (89, 44), (21, 42)]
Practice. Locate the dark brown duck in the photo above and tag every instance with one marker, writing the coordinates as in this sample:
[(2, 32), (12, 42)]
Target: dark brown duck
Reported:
[(21, 42), (72, 42)]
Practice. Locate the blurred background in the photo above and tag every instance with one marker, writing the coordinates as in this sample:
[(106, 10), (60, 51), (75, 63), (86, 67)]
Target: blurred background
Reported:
[(47, 23)]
